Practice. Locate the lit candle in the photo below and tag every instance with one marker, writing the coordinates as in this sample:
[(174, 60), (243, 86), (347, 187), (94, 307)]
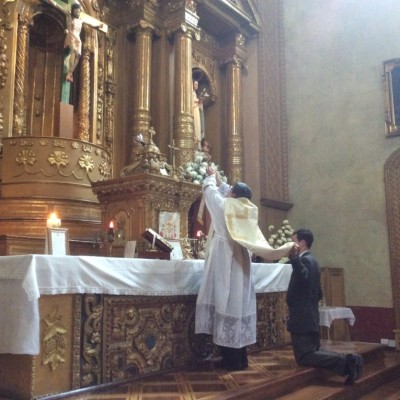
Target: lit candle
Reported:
[(110, 233), (53, 221)]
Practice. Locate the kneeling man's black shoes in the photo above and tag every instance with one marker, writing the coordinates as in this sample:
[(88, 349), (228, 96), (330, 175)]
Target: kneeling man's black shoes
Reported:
[(355, 364)]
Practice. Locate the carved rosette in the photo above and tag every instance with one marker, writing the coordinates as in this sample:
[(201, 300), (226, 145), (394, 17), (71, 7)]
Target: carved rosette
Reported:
[(54, 161)]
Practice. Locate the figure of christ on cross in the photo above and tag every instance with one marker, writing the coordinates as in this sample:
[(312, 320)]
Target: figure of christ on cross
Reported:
[(75, 18)]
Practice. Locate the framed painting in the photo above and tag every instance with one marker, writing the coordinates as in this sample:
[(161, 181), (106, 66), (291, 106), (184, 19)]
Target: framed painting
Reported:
[(169, 225), (392, 96), (57, 242)]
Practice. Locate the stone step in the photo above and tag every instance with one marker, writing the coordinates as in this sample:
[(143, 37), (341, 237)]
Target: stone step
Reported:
[(389, 391), (318, 384), (272, 375), (331, 390)]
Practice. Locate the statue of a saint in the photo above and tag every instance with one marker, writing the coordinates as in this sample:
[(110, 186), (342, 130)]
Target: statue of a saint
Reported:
[(198, 117), (206, 149), (73, 43)]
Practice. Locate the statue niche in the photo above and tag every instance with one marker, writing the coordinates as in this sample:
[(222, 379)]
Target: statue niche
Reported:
[(202, 97), (45, 74)]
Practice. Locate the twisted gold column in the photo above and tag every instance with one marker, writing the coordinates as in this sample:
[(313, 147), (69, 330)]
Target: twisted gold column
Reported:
[(109, 91), (183, 113), (142, 67), (235, 163), (20, 106), (84, 100)]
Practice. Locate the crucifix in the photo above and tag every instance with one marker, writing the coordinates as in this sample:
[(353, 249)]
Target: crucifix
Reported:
[(75, 18)]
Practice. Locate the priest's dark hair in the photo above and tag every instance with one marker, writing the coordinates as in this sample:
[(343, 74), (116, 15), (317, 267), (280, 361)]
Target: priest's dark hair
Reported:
[(240, 189)]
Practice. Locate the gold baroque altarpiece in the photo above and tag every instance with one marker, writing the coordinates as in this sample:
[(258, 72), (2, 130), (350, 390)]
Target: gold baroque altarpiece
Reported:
[(133, 78)]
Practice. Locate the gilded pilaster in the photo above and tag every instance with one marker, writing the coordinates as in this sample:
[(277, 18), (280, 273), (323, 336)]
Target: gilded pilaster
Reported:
[(20, 106), (84, 101), (142, 72), (235, 162), (182, 21), (183, 113), (109, 91)]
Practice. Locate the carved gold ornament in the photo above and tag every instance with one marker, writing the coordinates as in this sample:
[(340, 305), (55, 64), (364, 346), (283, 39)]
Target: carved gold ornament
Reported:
[(54, 341)]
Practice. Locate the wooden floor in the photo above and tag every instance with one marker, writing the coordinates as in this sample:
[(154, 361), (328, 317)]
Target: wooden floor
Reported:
[(271, 374)]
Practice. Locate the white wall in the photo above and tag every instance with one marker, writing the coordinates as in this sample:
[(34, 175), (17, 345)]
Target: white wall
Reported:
[(337, 143)]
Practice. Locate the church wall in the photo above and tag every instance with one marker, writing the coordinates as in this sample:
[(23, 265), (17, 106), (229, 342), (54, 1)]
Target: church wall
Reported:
[(337, 144)]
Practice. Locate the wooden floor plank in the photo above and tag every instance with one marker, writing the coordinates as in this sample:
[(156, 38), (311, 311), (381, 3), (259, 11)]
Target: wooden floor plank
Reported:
[(273, 371)]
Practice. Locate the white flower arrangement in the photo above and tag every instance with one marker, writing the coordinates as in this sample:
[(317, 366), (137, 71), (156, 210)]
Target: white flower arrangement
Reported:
[(280, 236), (195, 171)]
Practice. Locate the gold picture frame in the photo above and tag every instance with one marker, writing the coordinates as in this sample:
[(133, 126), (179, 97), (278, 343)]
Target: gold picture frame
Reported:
[(57, 242), (391, 76)]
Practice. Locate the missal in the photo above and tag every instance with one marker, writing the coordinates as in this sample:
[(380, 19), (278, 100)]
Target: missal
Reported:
[(157, 240)]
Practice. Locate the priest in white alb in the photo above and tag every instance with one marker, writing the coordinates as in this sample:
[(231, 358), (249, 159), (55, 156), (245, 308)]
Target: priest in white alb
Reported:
[(226, 304)]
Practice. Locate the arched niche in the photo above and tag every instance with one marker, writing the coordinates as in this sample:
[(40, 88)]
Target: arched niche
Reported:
[(45, 73), (206, 93)]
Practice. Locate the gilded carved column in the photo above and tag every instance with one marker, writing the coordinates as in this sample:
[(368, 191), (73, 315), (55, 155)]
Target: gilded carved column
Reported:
[(235, 162), (84, 100), (142, 81), (183, 113), (109, 91), (20, 99)]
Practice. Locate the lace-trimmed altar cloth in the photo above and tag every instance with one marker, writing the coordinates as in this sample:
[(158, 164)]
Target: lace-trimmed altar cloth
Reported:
[(23, 279)]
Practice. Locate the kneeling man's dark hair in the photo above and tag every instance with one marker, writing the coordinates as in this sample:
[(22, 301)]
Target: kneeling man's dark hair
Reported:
[(306, 235)]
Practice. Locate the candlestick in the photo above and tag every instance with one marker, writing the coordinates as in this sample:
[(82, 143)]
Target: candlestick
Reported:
[(110, 235), (53, 221)]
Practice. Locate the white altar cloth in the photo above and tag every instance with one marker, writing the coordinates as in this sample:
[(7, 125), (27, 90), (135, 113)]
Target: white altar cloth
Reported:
[(23, 279)]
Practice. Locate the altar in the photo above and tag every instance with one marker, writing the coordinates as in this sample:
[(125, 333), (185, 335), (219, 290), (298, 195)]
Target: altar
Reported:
[(73, 322)]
